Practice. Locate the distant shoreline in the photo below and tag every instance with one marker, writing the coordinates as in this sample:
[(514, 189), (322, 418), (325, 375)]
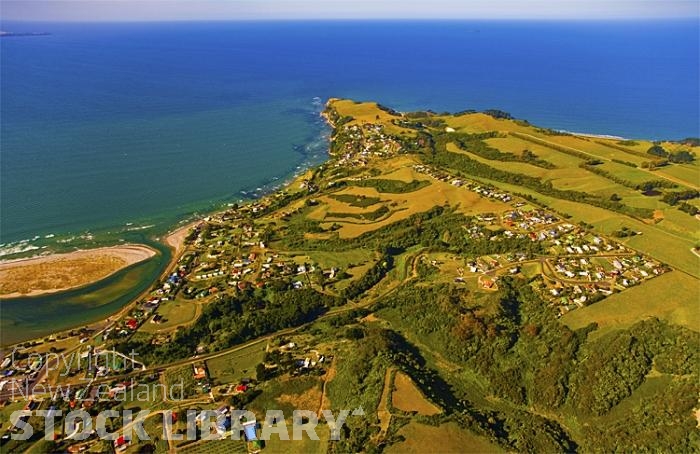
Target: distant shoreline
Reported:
[(595, 136), (20, 34)]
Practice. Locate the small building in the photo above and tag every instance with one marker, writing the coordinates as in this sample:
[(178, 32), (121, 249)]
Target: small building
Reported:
[(200, 372)]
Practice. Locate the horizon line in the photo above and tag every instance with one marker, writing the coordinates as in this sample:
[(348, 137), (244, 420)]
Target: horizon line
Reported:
[(370, 19)]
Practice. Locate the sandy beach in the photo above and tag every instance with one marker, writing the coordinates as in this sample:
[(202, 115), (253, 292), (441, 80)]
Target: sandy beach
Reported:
[(35, 276), (176, 238), (595, 136)]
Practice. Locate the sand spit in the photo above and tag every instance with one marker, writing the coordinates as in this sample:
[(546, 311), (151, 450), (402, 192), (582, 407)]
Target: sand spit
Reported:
[(58, 272)]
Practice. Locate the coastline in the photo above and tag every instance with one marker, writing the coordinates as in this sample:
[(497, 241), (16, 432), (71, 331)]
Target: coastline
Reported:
[(176, 238), (126, 255), (594, 136), (172, 240)]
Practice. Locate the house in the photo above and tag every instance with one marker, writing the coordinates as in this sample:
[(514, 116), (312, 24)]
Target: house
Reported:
[(132, 324), (200, 372), (121, 443), (78, 448), (223, 426), (249, 430)]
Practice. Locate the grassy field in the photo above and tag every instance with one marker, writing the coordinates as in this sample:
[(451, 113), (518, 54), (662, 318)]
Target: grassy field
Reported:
[(632, 174), (672, 297), (680, 223), (288, 394), (356, 201), (679, 173), (341, 259), (405, 174), (591, 146), (7, 410), (367, 112), (303, 446), (571, 177), (673, 248), (437, 194), (236, 365), (402, 205), (515, 145), (175, 313), (478, 122), (446, 438), (181, 377), (356, 272), (689, 173), (407, 397)]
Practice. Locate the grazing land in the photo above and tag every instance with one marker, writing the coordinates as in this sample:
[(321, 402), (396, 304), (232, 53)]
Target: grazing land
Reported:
[(172, 315), (672, 297), (235, 366), (447, 438), (407, 397)]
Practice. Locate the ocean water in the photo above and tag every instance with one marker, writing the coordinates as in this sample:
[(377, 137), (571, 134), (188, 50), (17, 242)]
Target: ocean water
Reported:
[(104, 125)]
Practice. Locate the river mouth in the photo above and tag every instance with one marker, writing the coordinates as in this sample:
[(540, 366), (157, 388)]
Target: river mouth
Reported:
[(28, 318)]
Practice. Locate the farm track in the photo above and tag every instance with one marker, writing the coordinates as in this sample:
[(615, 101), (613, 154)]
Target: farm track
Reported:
[(328, 377), (383, 412)]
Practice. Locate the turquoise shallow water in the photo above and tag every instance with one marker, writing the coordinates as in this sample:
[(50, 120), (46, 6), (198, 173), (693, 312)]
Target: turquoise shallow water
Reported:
[(105, 128)]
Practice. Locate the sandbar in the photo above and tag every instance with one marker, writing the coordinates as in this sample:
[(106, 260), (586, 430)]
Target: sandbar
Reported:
[(53, 273)]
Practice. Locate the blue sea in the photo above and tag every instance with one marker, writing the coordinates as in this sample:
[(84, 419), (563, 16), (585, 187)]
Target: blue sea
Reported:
[(112, 127)]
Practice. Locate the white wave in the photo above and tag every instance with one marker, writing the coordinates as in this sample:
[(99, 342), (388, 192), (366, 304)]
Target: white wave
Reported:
[(18, 249), (140, 227)]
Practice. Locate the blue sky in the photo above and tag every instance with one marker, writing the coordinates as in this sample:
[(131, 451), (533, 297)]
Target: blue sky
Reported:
[(169, 10)]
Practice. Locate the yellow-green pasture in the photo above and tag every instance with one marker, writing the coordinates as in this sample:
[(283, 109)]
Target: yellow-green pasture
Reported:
[(420, 438), (672, 297), (369, 112), (175, 313), (236, 365)]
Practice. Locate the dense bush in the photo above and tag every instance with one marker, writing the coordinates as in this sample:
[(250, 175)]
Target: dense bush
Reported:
[(233, 320)]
